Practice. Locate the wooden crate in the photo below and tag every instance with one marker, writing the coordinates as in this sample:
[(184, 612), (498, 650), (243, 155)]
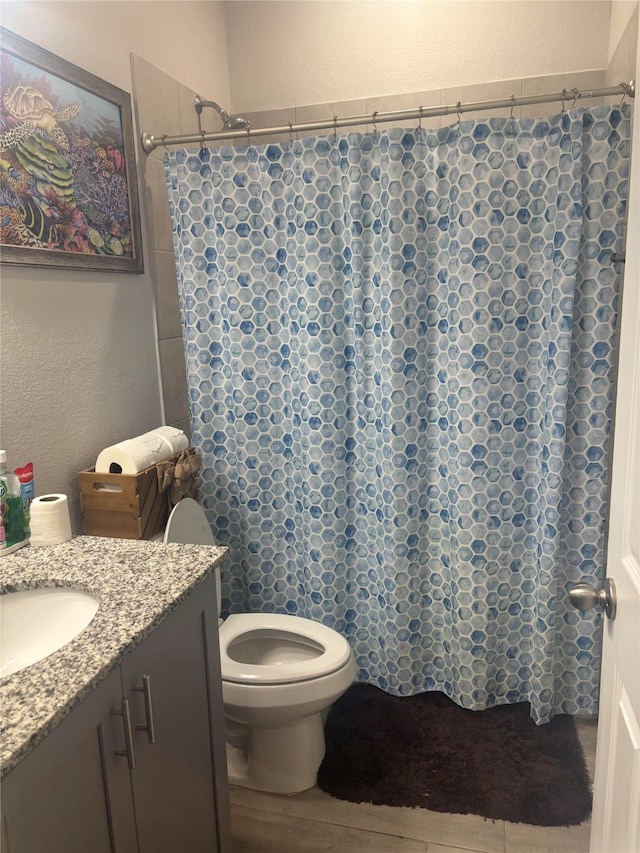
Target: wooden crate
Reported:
[(124, 506)]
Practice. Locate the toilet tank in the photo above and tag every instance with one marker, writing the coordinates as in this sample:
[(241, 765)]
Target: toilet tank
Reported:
[(188, 525)]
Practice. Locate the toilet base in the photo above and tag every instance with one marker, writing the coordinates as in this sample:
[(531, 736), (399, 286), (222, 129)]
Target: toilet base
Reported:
[(278, 759)]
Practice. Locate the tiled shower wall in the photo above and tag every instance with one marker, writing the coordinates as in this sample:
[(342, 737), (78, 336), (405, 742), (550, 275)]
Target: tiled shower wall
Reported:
[(433, 98), (163, 105), (623, 62)]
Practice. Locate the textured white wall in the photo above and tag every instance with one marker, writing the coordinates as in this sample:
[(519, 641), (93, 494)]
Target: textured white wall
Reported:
[(79, 363), (286, 52), (185, 38)]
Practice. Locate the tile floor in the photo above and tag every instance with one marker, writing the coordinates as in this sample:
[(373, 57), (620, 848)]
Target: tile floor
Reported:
[(314, 822)]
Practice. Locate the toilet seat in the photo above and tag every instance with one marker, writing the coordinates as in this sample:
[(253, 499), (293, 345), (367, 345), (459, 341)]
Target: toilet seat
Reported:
[(326, 650)]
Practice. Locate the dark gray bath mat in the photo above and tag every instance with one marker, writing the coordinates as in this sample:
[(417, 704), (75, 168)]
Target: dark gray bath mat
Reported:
[(428, 752)]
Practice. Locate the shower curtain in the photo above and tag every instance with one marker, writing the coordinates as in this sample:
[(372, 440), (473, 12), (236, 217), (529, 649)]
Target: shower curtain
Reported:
[(399, 353)]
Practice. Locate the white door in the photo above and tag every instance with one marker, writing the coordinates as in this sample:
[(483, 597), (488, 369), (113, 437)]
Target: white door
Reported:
[(615, 824)]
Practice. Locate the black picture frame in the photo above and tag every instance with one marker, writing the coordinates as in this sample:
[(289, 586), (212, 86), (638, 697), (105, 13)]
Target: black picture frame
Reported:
[(68, 180)]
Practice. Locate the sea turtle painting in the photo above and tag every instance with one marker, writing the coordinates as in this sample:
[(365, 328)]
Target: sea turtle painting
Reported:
[(64, 182), (32, 110)]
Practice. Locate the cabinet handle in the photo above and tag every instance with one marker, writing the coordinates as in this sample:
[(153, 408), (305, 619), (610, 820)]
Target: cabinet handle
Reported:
[(150, 728), (128, 751)]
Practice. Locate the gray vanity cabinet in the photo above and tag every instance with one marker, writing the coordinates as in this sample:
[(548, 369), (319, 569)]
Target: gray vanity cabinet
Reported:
[(166, 678), (57, 800), (160, 785)]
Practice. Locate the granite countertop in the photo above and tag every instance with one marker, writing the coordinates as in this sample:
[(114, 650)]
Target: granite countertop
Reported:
[(137, 584)]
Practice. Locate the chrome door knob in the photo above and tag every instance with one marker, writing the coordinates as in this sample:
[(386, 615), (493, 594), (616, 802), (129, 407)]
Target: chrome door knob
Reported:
[(584, 596)]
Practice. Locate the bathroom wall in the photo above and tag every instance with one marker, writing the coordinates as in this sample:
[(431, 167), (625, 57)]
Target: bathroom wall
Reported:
[(370, 55), (79, 354), (328, 51)]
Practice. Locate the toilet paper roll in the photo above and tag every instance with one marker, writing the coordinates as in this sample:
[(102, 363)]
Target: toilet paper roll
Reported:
[(136, 454), (49, 520)]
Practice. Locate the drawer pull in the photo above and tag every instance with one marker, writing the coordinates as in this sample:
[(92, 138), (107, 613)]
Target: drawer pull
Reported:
[(129, 751), (150, 728)]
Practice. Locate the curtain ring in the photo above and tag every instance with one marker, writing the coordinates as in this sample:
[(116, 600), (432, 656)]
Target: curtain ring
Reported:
[(163, 139), (248, 130), (375, 126), (625, 92), (335, 128), (420, 118), (575, 92), (459, 112), (290, 132), (564, 96), (513, 98), (203, 144)]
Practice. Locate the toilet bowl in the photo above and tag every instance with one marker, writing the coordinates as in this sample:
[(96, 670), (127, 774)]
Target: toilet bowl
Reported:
[(280, 676)]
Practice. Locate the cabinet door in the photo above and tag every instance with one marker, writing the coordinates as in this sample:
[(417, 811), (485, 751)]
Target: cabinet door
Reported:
[(72, 793), (174, 787)]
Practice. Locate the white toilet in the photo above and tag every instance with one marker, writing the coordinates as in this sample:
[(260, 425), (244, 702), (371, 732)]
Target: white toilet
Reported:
[(280, 675)]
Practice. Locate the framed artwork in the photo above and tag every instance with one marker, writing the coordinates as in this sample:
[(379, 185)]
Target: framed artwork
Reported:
[(68, 184)]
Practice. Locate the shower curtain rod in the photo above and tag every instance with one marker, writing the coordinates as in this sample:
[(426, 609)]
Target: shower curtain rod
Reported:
[(570, 96)]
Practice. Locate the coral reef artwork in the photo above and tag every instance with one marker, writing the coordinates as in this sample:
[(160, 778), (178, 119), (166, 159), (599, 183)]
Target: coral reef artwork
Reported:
[(64, 183)]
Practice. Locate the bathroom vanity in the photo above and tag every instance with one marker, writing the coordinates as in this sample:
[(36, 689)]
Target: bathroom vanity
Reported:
[(116, 741)]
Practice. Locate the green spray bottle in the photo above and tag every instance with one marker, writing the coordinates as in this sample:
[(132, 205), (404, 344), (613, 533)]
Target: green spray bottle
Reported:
[(11, 510)]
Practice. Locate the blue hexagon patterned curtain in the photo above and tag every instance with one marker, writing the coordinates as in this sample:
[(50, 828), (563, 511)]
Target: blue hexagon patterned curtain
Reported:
[(399, 356)]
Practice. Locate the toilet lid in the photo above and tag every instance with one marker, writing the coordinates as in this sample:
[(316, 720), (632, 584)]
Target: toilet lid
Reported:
[(270, 648), (188, 524)]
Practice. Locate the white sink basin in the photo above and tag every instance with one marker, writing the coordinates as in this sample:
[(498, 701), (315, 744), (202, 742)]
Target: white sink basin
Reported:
[(35, 623)]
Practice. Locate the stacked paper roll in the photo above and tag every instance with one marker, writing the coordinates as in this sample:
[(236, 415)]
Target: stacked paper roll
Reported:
[(49, 520), (136, 454)]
